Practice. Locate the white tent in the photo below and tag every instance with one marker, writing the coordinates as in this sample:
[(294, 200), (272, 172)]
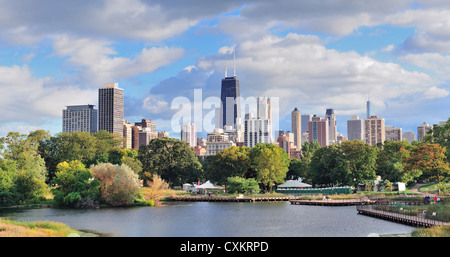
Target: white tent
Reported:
[(203, 188), (293, 184)]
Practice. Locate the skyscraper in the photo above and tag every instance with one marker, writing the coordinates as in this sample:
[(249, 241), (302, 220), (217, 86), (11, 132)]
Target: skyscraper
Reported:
[(332, 130), (374, 130), (296, 128), (110, 108), (355, 128), (189, 133), (257, 131), (318, 131), (230, 103), (422, 131), (79, 118), (368, 104), (393, 133)]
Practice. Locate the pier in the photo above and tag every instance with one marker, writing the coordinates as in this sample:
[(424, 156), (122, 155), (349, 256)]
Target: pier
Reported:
[(229, 199), (417, 220), (339, 202)]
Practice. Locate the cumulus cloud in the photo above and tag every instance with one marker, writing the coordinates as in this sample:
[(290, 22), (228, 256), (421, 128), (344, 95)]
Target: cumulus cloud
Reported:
[(302, 72), (32, 100), (96, 62), (27, 22)]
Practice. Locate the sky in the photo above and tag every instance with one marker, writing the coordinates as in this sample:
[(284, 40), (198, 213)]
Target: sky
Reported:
[(313, 55)]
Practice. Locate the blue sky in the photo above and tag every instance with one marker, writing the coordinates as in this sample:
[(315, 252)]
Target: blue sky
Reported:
[(312, 55)]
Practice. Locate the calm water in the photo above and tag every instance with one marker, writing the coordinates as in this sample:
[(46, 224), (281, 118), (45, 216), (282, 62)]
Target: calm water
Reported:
[(209, 219)]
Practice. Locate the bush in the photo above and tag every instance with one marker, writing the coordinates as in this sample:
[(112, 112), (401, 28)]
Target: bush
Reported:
[(242, 185), (75, 186), (119, 183)]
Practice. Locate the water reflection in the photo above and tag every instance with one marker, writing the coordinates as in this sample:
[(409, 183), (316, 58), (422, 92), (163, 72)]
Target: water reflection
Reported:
[(209, 219)]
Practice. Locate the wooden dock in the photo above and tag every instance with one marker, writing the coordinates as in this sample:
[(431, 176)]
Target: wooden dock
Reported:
[(228, 199), (416, 220), (339, 202)]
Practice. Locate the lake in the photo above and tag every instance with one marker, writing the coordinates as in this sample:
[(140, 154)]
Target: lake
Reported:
[(217, 219)]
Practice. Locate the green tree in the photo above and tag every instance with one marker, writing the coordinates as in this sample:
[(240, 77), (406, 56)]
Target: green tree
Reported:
[(270, 163), (440, 135), (242, 185), (361, 160), (172, 159), (88, 148), (8, 173), (75, 186), (30, 172), (231, 162), (329, 167), (390, 162), (430, 159)]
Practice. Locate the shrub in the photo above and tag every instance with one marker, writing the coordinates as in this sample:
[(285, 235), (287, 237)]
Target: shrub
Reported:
[(242, 185), (119, 183), (157, 189), (76, 186)]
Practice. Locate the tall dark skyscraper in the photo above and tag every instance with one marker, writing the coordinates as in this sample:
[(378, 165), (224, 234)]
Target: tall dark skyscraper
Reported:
[(110, 108), (231, 108)]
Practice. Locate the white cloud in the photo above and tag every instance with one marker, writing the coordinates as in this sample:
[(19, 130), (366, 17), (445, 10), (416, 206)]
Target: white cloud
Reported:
[(25, 98), (302, 72), (97, 63), (432, 28)]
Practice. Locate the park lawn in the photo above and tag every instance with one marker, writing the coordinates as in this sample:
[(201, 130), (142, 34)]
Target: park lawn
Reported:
[(15, 228)]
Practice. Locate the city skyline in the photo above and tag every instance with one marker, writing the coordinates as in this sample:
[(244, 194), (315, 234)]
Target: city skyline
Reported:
[(313, 56)]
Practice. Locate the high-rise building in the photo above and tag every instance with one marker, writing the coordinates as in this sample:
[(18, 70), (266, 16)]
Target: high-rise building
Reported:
[(230, 100), (110, 108), (189, 133), (256, 131), (79, 118), (263, 108), (332, 130), (422, 131), (393, 133), (127, 135), (217, 141), (306, 118), (409, 136), (144, 131), (374, 130), (355, 128), (296, 128), (368, 105), (285, 143), (318, 131)]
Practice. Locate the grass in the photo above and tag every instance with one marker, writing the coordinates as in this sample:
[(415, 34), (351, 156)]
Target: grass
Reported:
[(16, 228), (436, 231)]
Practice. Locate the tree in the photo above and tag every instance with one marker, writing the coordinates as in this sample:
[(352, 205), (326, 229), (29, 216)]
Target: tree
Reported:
[(231, 162), (75, 186), (361, 159), (329, 166), (88, 148), (29, 172), (242, 185), (303, 168), (430, 159), (119, 184), (172, 159), (440, 135), (390, 162), (8, 173), (270, 163)]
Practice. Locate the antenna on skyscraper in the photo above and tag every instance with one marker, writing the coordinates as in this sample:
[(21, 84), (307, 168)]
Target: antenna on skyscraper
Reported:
[(234, 62), (226, 74)]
